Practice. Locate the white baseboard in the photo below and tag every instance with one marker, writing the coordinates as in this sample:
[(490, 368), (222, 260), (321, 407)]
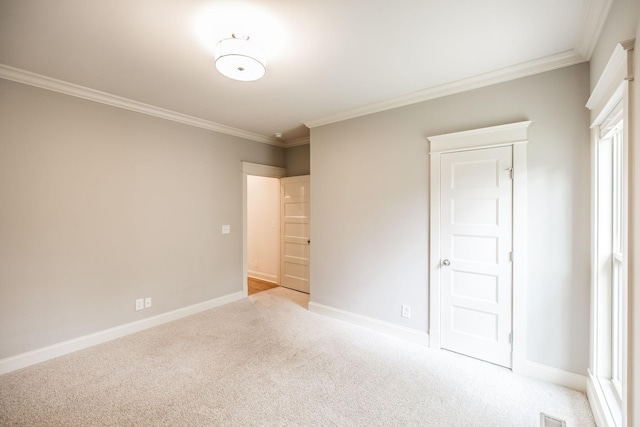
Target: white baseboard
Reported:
[(265, 277), (524, 367), (46, 353), (371, 323), (556, 376)]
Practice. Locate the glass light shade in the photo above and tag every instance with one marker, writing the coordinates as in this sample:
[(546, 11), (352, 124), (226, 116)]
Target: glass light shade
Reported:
[(240, 59)]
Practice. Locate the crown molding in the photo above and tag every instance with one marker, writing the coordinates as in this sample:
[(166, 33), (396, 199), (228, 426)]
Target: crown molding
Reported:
[(44, 82), (297, 141), (593, 22), (526, 69)]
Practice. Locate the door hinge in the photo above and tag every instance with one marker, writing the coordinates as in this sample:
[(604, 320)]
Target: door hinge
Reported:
[(510, 172), (510, 337), (511, 256)]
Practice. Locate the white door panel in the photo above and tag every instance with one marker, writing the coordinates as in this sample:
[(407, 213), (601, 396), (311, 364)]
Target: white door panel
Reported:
[(295, 241), (476, 242)]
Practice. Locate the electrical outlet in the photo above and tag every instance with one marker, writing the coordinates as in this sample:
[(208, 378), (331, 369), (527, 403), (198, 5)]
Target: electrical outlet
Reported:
[(147, 302), (255, 262), (406, 311), (226, 229), (139, 304)]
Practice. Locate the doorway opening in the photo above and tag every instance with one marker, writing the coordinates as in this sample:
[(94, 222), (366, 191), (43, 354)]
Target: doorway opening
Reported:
[(263, 233), (250, 171), (292, 223)]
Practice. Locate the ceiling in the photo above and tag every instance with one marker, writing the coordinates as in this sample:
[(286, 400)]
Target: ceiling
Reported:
[(327, 60)]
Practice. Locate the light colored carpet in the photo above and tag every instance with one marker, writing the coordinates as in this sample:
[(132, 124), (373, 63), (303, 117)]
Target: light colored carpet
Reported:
[(268, 361)]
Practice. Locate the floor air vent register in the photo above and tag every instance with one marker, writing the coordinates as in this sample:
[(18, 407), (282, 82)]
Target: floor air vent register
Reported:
[(549, 421)]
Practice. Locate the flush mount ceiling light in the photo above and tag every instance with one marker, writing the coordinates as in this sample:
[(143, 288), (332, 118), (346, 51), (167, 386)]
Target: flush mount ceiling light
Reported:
[(240, 59)]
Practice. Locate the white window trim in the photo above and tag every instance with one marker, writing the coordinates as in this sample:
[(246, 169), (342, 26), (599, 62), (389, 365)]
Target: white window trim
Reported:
[(611, 89), (514, 135)]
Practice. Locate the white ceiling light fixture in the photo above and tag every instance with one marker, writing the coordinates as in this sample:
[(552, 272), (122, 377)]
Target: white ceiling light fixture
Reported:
[(240, 59)]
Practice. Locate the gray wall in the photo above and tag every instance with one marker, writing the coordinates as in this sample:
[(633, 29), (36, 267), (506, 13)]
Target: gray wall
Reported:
[(370, 207), (297, 160), (100, 206)]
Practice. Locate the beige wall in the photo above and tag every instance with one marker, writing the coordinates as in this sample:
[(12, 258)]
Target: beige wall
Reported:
[(370, 220), (263, 228), (100, 206), (297, 160)]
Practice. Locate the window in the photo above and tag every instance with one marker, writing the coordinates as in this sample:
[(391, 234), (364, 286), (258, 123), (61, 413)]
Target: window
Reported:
[(608, 370), (610, 262), (610, 278), (611, 246)]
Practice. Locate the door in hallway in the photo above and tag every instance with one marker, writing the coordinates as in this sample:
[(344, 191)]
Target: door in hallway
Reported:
[(295, 240)]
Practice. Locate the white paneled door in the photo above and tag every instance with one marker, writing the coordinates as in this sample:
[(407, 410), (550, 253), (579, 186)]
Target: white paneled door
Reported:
[(476, 253), (295, 239)]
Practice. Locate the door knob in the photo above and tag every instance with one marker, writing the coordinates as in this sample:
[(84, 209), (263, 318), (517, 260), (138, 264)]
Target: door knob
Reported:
[(446, 262)]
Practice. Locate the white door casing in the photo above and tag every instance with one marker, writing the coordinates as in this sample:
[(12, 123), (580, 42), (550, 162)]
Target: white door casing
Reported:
[(295, 226), (475, 247), (512, 135)]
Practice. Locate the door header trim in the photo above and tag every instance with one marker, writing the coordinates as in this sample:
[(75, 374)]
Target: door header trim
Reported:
[(492, 136), (263, 170)]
